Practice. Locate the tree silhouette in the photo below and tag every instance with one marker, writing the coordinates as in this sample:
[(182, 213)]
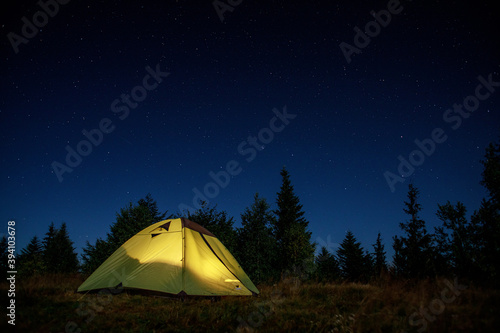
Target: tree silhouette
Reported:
[(129, 221), (152, 207), (4, 256), (290, 228), (94, 255), (399, 263), (217, 223), (453, 239), (414, 248), (485, 222), (50, 249), (352, 260), (59, 255), (30, 260), (68, 259), (380, 264), (491, 173), (327, 266), (256, 246)]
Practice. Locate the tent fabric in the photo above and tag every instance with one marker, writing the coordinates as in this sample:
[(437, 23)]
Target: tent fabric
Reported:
[(176, 256)]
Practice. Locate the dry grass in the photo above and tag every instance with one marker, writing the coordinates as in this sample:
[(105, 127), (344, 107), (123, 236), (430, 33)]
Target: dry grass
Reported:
[(49, 304)]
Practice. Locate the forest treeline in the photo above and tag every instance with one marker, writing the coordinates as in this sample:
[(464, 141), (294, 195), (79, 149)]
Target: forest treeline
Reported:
[(271, 243)]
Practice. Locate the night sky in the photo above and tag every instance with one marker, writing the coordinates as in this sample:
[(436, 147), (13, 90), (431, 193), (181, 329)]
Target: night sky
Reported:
[(169, 94)]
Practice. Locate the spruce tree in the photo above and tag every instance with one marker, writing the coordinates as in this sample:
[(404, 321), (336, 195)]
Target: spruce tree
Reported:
[(415, 246), (369, 266), (30, 260), (50, 249), (485, 222), (68, 259), (399, 263), (491, 173), (152, 206), (217, 222), (94, 255), (256, 246), (58, 252), (327, 266), (453, 240), (352, 260), (380, 264), (129, 221), (291, 228), (442, 251), (4, 257)]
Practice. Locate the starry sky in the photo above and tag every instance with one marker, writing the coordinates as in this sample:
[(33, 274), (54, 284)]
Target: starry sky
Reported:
[(170, 93)]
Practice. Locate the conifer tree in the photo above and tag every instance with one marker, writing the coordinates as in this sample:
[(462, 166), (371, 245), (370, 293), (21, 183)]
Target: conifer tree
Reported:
[(327, 266), (217, 222), (58, 252), (152, 207), (4, 256), (453, 242), (352, 259), (129, 221), (50, 249), (491, 173), (68, 259), (442, 253), (399, 263), (30, 259), (369, 266), (380, 264), (94, 255), (291, 228), (256, 246), (414, 248), (485, 222)]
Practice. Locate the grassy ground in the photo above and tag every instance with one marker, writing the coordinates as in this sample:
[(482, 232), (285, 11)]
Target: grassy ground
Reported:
[(48, 304)]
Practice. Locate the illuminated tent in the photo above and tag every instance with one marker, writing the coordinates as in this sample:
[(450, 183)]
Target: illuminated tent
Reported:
[(175, 256)]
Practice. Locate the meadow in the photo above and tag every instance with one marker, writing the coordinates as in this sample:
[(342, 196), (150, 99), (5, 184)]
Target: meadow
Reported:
[(49, 304)]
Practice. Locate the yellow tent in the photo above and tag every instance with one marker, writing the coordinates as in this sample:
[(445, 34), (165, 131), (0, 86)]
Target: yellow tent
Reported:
[(175, 256)]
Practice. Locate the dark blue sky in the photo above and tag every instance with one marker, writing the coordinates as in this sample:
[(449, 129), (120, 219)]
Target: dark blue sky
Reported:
[(352, 120)]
